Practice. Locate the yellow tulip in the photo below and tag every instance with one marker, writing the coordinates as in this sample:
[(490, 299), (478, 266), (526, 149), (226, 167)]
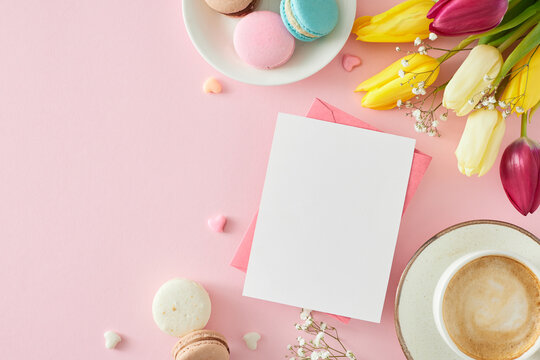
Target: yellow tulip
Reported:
[(387, 87), (402, 23), (475, 75), (523, 89), (480, 142)]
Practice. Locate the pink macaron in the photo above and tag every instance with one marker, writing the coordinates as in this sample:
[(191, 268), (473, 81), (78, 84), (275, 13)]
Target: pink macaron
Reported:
[(262, 41)]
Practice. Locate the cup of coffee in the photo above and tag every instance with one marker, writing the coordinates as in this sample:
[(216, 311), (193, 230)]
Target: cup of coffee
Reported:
[(487, 307)]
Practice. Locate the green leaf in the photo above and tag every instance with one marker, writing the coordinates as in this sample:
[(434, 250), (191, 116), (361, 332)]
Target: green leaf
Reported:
[(521, 18), (528, 43)]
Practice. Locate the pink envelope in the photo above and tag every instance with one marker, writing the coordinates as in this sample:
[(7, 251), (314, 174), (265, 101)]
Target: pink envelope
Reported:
[(325, 112)]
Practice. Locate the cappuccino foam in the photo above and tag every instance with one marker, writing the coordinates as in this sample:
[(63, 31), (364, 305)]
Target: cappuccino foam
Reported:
[(491, 308)]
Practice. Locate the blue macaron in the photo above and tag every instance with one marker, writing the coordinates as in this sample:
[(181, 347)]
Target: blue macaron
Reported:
[(308, 20)]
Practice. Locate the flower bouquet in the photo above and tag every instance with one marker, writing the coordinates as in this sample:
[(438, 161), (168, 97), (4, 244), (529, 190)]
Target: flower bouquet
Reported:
[(499, 77)]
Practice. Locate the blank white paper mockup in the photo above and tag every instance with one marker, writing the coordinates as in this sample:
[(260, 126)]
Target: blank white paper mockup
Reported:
[(329, 217)]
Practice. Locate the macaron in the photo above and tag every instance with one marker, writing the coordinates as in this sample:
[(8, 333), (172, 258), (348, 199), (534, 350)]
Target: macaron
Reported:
[(309, 20), (201, 345), (262, 41), (233, 7), (181, 306)]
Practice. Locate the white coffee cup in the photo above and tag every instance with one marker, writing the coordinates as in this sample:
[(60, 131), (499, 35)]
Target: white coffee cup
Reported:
[(440, 290)]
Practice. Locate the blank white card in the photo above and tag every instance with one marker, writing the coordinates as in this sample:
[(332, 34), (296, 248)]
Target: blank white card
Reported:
[(329, 217)]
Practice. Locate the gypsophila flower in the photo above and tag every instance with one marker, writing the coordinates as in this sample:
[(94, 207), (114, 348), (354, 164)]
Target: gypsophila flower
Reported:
[(416, 113), (471, 101), (422, 50), (434, 123), (432, 36), (492, 100), (502, 104), (431, 133), (417, 41), (350, 355), (398, 48), (399, 103), (421, 84), (297, 326), (304, 315), (519, 110), (418, 127), (401, 73), (404, 62), (415, 91), (318, 338), (444, 117), (315, 345), (487, 78), (485, 102)]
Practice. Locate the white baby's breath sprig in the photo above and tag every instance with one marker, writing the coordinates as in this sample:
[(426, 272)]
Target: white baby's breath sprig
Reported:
[(325, 342)]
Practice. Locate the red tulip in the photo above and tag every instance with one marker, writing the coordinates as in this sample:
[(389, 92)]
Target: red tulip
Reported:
[(462, 17), (520, 174)]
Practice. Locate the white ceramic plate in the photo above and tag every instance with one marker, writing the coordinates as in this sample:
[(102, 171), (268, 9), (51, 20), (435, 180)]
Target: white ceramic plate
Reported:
[(212, 35), (414, 321)]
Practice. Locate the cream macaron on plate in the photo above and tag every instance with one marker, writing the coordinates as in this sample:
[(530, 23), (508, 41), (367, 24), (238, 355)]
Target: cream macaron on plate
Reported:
[(415, 324), (212, 35)]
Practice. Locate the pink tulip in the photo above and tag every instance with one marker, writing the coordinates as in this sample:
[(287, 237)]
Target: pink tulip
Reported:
[(462, 17), (520, 174)]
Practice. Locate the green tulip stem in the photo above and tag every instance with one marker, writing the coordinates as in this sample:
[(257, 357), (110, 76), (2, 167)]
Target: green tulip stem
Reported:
[(519, 32), (462, 45), (524, 124)]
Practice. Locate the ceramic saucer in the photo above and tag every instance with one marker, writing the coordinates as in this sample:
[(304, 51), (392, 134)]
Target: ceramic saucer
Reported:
[(212, 35), (414, 321)]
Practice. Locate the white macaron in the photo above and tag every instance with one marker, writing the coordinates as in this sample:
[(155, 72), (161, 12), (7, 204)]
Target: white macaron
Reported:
[(181, 306)]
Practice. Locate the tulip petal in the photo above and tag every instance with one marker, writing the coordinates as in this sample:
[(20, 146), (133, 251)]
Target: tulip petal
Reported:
[(536, 199), (402, 23), (494, 144), (435, 9), (475, 142), (391, 72), (523, 88), (386, 88), (361, 22), (520, 172), (386, 96), (468, 81), (460, 17)]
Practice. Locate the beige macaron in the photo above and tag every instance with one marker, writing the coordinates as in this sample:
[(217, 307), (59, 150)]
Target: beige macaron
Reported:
[(233, 7), (201, 345), (181, 306)]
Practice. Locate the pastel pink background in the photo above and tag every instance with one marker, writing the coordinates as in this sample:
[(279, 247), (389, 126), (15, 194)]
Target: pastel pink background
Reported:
[(112, 159)]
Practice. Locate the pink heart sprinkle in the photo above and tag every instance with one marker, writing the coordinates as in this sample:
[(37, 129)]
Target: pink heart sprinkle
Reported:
[(212, 86), (349, 62), (217, 223)]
